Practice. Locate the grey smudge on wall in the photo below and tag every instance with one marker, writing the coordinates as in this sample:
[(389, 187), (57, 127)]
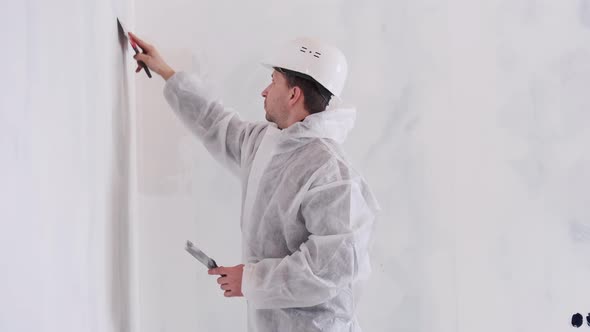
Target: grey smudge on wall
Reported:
[(584, 12), (580, 231)]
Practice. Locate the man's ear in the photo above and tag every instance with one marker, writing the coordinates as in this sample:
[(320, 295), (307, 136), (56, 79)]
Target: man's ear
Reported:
[(295, 94)]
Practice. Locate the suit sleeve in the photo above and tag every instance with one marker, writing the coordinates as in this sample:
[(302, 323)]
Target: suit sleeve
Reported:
[(339, 220), (222, 132)]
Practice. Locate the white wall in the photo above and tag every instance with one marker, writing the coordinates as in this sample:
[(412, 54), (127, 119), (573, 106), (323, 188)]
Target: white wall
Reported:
[(66, 100), (472, 131)]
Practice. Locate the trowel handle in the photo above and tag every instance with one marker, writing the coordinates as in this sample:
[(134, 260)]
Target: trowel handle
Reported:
[(215, 265)]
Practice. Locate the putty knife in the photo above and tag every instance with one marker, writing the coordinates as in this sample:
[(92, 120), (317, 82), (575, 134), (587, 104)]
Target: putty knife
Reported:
[(200, 256), (133, 45)]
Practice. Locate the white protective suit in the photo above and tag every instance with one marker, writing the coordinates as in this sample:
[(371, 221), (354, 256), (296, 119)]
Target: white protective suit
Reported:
[(306, 217)]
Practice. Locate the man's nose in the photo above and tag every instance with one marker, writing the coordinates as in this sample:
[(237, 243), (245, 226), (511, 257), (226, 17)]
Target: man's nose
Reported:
[(264, 92)]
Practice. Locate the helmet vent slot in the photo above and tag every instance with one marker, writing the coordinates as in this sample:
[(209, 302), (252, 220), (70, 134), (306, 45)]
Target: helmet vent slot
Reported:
[(306, 50)]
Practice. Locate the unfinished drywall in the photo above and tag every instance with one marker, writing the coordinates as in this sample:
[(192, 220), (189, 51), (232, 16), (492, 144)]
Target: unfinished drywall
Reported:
[(66, 127)]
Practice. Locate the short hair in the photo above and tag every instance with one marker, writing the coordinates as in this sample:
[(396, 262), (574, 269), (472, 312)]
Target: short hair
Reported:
[(316, 96)]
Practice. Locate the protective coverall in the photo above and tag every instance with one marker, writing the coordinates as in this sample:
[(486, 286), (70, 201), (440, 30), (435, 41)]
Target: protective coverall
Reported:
[(307, 216)]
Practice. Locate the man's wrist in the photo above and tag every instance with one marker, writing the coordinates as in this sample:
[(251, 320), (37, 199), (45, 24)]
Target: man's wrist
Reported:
[(166, 74)]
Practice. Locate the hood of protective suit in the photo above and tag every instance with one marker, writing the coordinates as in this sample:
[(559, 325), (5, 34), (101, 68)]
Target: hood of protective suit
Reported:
[(334, 123)]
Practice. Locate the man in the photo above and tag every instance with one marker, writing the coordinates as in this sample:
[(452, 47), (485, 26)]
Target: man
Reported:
[(306, 214)]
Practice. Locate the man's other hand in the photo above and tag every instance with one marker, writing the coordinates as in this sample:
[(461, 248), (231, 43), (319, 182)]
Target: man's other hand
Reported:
[(230, 280)]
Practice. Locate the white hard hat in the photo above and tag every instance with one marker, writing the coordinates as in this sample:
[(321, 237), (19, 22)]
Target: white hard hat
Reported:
[(324, 63)]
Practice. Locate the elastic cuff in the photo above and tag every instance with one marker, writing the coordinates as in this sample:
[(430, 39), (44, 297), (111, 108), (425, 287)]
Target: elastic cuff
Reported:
[(247, 275), (173, 80)]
